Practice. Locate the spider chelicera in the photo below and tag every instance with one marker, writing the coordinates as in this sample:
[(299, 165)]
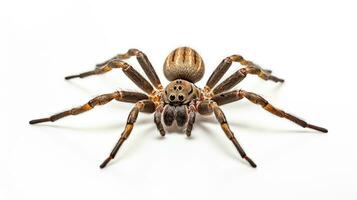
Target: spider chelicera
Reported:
[(176, 105)]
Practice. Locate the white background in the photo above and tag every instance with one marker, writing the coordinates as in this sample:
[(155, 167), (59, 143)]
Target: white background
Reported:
[(311, 44)]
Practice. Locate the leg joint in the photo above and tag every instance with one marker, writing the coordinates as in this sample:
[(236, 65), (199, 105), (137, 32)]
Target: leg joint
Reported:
[(127, 131), (219, 113), (274, 110), (76, 111), (235, 58), (227, 131), (254, 98), (102, 99)]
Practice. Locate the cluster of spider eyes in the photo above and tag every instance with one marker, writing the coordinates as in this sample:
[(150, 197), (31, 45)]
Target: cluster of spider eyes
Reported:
[(179, 87), (180, 96)]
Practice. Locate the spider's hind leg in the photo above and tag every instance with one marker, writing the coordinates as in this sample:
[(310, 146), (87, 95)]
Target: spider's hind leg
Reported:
[(128, 70), (249, 68), (144, 62), (140, 56)]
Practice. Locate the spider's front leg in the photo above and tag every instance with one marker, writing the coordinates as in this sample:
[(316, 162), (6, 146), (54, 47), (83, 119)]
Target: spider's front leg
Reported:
[(249, 68), (207, 107), (146, 106), (124, 96), (237, 95)]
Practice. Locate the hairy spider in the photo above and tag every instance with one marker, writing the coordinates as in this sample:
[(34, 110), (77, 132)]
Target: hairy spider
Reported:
[(177, 104)]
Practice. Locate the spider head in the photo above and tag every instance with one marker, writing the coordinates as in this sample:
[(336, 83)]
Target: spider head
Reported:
[(179, 92)]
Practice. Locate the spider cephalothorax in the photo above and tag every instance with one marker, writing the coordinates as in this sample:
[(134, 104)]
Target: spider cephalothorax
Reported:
[(178, 96), (180, 92), (177, 104)]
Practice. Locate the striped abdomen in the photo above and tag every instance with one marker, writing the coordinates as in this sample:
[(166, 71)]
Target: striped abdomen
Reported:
[(184, 63)]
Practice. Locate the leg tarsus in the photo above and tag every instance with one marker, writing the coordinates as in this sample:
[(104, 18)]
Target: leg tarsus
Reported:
[(82, 75), (106, 161), (72, 76), (98, 70), (317, 128), (250, 161), (36, 121), (239, 148)]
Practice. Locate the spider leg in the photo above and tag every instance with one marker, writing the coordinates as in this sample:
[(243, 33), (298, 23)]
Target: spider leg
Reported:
[(157, 119), (146, 106), (144, 63), (124, 96), (207, 107), (232, 96), (249, 68), (140, 56), (239, 75), (128, 70)]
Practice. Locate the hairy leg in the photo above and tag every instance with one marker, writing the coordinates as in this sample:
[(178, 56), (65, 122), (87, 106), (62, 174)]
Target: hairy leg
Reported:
[(128, 70), (124, 96), (239, 75), (249, 68), (142, 106), (236, 95), (207, 107), (144, 63)]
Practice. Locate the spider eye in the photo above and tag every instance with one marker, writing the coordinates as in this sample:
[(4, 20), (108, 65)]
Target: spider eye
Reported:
[(172, 97), (175, 87), (179, 87), (180, 97)]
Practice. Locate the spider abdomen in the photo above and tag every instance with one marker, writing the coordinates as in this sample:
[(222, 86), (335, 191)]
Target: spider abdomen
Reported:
[(184, 63)]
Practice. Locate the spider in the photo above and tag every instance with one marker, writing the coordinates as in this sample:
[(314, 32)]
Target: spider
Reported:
[(176, 105)]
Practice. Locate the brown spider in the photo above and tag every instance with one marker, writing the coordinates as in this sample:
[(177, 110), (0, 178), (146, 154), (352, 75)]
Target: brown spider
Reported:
[(177, 104)]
